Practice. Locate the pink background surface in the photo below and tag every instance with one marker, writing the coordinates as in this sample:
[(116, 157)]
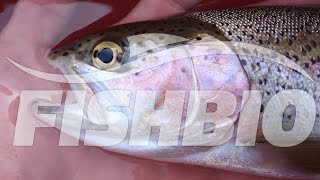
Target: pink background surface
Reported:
[(34, 28)]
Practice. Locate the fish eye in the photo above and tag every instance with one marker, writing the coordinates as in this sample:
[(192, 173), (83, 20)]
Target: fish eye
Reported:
[(106, 54)]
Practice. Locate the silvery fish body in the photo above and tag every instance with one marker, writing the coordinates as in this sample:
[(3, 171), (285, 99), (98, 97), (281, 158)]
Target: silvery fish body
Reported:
[(240, 45)]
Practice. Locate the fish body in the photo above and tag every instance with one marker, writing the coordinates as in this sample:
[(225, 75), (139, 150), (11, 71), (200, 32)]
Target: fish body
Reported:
[(291, 32)]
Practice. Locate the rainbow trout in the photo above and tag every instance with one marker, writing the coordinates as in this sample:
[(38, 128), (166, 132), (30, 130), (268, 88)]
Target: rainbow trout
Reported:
[(159, 86)]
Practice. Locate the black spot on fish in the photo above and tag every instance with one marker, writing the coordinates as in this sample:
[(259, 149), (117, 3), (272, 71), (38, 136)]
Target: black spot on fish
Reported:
[(149, 51), (287, 54), (313, 43), (88, 40), (265, 81), (79, 52), (183, 70), (229, 33), (198, 38), (243, 62), (308, 32), (258, 64), (65, 54), (268, 93), (161, 29), (279, 70), (290, 42), (308, 47), (282, 33), (303, 51), (55, 52), (296, 58)]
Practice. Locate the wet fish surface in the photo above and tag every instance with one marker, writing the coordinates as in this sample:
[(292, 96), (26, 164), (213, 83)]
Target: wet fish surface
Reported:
[(293, 32)]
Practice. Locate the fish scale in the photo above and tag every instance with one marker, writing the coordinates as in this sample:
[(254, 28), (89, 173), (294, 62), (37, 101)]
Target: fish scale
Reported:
[(291, 31)]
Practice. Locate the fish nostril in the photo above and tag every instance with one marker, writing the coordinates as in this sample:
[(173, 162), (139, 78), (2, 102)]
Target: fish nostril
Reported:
[(65, 54)]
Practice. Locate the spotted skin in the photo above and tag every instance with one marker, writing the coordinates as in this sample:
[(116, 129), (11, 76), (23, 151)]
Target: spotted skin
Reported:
[(291, 31)]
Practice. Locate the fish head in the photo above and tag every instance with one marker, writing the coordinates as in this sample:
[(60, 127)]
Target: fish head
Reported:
[(155, 66)]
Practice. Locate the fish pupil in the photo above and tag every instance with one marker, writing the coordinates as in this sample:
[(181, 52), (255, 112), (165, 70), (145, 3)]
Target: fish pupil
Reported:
[(106, 55)]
